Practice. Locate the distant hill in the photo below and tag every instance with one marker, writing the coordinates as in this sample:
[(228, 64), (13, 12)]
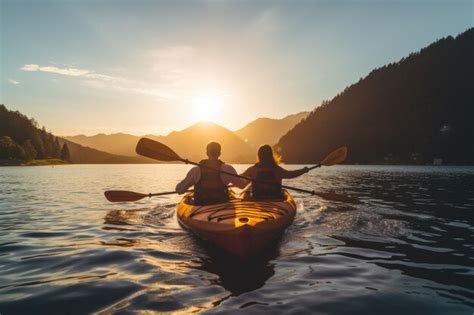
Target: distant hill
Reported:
[(411, 111), (117, 143), (268, 130), (191, 142), (85, 155), (241, 143)]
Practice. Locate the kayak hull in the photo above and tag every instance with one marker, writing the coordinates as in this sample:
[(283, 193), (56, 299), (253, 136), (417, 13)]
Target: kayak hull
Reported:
[(240, 227)]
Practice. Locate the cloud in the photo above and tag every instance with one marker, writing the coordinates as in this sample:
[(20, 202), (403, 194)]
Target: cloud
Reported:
[(171, 73), (14, 82), (51, 69)]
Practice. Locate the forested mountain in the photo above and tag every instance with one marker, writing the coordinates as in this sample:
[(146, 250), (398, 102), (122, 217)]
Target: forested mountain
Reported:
[(411, 111), (268, 130), (22, 139)]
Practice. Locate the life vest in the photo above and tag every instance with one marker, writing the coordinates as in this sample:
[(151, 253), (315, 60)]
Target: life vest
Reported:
[(263, 175), (210, 189)]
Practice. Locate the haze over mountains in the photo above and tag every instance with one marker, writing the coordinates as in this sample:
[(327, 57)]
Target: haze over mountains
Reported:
[(268, 130), (238, 147), (408, 112)]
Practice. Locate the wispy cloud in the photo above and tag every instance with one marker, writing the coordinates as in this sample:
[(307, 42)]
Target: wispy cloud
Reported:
[(172, 73), (97, 80), (51, 69), (14, 82)]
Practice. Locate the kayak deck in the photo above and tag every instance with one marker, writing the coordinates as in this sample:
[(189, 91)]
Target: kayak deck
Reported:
[(241, 227)]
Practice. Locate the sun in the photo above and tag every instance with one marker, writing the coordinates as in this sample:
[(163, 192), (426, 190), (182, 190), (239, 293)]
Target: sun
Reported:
[(207, 107)]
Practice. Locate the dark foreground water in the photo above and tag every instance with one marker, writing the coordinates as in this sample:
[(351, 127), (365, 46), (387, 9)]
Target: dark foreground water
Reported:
[(408, 248)]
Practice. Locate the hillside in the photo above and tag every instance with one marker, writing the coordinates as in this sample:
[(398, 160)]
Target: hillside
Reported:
[(268, 130), (85, 155), (117, 143), (21, 140), (411, 112)]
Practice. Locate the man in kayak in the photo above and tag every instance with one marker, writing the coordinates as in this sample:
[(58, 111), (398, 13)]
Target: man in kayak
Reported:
[(210, 186), (269, 175)]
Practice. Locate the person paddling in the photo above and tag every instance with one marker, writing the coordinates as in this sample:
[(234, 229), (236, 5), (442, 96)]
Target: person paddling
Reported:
[(268, 175), (210, 186)]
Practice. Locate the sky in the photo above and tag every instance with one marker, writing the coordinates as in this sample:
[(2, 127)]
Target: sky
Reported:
[(150, 67)]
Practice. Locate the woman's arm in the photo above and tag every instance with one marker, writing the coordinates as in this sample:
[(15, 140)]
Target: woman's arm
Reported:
[(292, 174), (248, 172)]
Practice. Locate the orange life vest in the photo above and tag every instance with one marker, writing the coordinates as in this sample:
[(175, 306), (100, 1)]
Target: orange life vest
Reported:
[(260, 189), (210, 189)]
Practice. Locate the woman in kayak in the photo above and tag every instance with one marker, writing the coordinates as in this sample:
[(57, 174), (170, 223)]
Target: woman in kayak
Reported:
[(268, 175)]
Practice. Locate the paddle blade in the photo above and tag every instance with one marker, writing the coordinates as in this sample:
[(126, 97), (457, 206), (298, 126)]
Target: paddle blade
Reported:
[(335, 157), (338, 197), (123, 195), (156, 150)]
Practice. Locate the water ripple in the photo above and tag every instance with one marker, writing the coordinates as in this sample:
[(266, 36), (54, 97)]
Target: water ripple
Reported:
[(407, 248)]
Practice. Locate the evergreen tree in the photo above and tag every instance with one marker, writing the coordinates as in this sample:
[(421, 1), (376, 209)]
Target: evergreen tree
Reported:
[(65, 154), (30, 152), (56, 149)]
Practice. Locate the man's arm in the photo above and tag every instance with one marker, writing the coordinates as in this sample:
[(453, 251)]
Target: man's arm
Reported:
[(191, 178)]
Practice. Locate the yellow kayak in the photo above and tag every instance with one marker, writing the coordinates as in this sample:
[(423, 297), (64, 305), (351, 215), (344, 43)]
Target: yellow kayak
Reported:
[(241, 227)]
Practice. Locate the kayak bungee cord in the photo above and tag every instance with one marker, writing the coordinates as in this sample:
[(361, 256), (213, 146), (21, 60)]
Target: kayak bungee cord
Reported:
[(265, 210)]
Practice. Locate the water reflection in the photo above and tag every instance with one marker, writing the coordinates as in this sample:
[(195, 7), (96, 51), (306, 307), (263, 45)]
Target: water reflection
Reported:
[(235, 275)]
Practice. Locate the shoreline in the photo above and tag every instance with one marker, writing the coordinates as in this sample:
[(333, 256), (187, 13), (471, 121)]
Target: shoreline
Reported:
[(44, 162)]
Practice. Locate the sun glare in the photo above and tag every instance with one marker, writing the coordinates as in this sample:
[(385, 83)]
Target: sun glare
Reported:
[(207, 107)]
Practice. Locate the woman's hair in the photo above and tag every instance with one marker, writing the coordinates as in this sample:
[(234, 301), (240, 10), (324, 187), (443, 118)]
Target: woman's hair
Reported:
[(266, 157)]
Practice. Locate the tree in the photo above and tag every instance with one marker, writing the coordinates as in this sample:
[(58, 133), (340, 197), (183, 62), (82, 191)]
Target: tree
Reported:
[(65, 154), (30, 152), (9, 149), (56, 149)]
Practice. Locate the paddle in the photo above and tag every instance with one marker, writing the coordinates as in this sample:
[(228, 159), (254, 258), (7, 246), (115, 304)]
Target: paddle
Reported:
[(159, 151), (125, 195), (335, 157)]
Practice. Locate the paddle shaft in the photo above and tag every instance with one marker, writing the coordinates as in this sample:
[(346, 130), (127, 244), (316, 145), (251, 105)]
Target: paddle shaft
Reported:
[(250, 179), (166, 193)]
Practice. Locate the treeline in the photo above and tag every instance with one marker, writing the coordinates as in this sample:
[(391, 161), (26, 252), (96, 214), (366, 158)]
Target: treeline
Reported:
[(409, 112), (22, 139)]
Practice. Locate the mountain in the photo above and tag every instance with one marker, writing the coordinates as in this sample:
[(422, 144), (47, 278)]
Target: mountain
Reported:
[(411, 111), (259, 131), (21, 140), (268, 130), (191, 143), (117, 143), (85, 155)]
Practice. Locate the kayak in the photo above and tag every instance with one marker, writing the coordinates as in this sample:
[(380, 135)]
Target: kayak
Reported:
[(241, 226)]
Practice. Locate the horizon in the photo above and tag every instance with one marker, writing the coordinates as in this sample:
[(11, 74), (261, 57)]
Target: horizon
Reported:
[(176, 74)]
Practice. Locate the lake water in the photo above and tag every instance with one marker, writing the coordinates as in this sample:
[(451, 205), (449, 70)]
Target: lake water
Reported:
[(407, 248)]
